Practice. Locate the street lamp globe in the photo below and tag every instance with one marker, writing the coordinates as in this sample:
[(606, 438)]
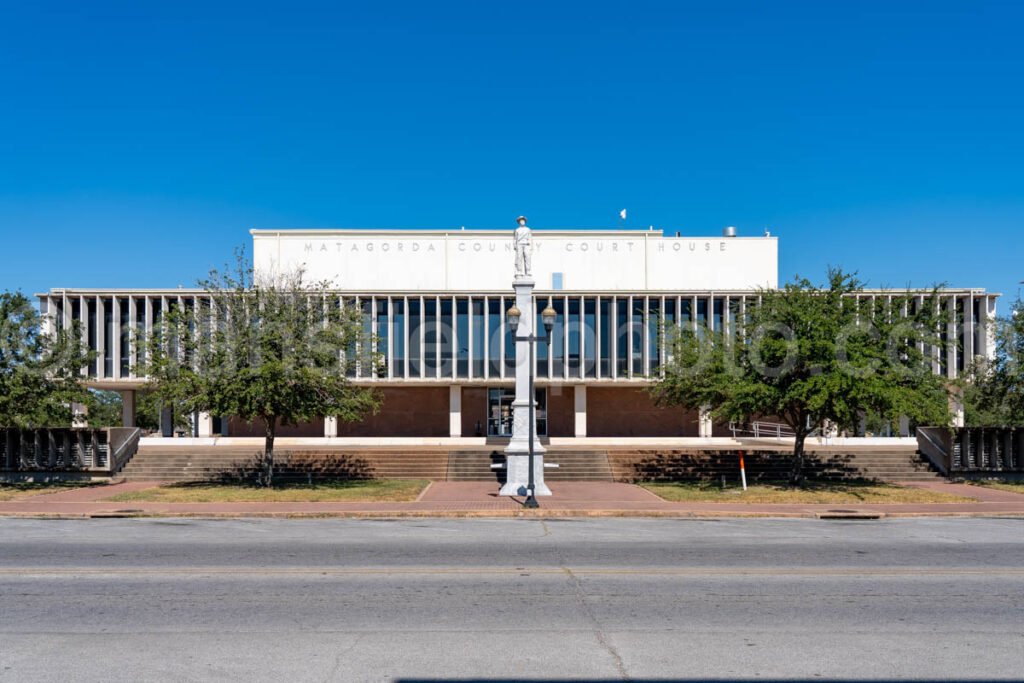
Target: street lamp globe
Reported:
[(548, 316), (512, 315)]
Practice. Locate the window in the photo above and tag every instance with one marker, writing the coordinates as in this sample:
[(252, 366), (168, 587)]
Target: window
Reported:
[(90, 306), (510, 346), (589, 337), (430, 336), (366, 338), (636, 335), (446, 338), (494, 333), (605, 331), (734, 313), (622, 337), (398, 335), (558, 337), (574, 332), (109, 340), (479, 337), (961, 336), (140, 330), (542, 347), (124, 326), (415, 366), (653, 331), (462, 337), (382, 338)]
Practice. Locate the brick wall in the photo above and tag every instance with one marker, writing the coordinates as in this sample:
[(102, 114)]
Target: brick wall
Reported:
[(474, 411), (561, 411), (239, 427), (628, 411), (405, 411)]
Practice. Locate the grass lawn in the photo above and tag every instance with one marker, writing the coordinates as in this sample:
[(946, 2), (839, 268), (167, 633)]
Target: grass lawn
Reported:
[(19, 490), (1011, 486), (381, 490), (812, 492)]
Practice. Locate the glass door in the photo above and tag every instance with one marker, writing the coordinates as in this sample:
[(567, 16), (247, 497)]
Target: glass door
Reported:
[(499, 411)]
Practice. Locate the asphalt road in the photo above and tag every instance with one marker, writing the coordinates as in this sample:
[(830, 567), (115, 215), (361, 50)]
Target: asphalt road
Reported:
[(609, 599)]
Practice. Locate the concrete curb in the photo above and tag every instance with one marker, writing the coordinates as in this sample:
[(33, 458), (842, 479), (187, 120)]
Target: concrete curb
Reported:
[(504, 514)]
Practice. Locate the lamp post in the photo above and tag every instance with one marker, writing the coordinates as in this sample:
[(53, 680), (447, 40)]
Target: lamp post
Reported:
[(548, 317)]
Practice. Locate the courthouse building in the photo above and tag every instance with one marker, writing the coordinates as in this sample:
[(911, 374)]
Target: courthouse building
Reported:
[(435, 300)]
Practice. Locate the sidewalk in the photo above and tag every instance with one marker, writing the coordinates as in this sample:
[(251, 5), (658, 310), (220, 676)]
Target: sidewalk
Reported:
[(480, 499)]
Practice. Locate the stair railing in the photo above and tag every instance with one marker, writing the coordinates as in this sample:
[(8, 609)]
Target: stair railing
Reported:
[(762, 429), (122, 447)]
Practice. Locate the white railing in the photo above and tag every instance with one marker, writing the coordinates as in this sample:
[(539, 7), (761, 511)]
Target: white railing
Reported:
[(762, 429)]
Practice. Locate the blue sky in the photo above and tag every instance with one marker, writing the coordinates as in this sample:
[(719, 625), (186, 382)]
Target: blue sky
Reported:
[(141, 141)]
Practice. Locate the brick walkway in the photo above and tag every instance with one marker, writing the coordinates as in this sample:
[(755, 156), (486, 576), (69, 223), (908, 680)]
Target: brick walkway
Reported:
[(481, 499)]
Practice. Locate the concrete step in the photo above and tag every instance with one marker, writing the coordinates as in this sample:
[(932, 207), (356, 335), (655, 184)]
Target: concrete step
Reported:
[(572, 466), (179, 462)]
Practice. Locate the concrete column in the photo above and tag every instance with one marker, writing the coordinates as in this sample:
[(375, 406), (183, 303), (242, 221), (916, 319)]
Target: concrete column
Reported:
[(455, 410), (166, 422), (952, 329), (101, 337), (957, 408), (705, 426), (330, 427), (904, 426), (580, 409), (969, 326), (987, 309), (128, 408), (204, 425)]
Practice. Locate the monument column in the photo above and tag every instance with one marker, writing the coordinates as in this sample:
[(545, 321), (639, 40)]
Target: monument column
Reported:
[(517, 453)]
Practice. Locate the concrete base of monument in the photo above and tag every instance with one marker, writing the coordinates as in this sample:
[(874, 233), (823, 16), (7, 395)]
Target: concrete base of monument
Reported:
[(518, 475)]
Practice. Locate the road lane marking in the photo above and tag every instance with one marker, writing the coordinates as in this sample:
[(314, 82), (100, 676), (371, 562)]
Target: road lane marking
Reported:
[(783, 572)]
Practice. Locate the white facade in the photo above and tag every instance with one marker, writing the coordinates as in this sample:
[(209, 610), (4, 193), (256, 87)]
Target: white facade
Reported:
[(481, 260)]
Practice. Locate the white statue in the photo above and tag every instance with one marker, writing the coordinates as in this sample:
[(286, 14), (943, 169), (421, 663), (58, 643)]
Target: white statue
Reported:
[(524, 248)]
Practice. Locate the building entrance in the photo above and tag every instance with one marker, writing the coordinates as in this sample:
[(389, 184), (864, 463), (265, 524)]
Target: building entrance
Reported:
[(499, 411)]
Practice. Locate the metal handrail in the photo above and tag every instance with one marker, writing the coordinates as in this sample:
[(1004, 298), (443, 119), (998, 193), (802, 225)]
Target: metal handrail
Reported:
[(762, 429), (942, 457), (119, 457)]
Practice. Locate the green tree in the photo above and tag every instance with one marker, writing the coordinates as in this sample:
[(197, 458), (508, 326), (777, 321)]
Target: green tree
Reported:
[(148, 407), (272, 349), (104, 408), (809, 355), (39, 372), (993, 390)]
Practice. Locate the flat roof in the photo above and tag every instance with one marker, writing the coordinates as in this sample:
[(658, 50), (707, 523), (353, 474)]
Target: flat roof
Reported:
[(490, 232)]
